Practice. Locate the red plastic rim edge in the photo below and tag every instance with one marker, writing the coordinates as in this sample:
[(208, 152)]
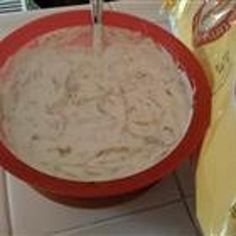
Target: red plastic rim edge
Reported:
[(188, 145)]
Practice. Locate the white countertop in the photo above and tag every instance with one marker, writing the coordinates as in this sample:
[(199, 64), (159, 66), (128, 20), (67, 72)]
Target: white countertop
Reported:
[(148, 10), (10, 22)]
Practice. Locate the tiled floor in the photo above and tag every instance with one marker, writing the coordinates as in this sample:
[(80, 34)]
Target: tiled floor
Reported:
[(187, 169), (164, 209), (166, 220), (4, 224), (192, 209), (57, 217), (167, 209), (145, 9)]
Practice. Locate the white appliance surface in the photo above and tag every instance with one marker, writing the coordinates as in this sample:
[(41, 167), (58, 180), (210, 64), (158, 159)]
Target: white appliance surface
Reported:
[(4, 217), (165, 210)]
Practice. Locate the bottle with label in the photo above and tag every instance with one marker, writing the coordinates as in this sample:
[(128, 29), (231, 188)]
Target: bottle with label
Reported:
[(214, 37)]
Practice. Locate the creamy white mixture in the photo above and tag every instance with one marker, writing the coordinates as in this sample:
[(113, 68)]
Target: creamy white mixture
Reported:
[(80, 115)]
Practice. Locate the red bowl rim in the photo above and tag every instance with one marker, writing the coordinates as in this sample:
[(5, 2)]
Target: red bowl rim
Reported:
[(188, 145)]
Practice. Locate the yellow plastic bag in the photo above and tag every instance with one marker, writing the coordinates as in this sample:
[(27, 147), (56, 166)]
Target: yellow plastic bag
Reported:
[(215, 44), (181, 14)]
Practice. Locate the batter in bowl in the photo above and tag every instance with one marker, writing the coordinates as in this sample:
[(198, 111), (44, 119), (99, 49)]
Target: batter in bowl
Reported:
[(76, 114)]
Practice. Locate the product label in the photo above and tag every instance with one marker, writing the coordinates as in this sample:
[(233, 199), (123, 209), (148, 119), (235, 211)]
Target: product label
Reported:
[(212, 24), (212, 39)]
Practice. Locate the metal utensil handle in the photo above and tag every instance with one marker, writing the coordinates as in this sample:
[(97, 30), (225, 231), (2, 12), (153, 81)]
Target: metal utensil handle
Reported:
[(97, 10)]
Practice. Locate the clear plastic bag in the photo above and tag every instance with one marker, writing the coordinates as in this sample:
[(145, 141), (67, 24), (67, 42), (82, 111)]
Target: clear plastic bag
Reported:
[(181, 14)]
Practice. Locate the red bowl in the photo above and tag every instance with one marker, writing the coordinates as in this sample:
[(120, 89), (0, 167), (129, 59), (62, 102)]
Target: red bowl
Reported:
[(75, 190)]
